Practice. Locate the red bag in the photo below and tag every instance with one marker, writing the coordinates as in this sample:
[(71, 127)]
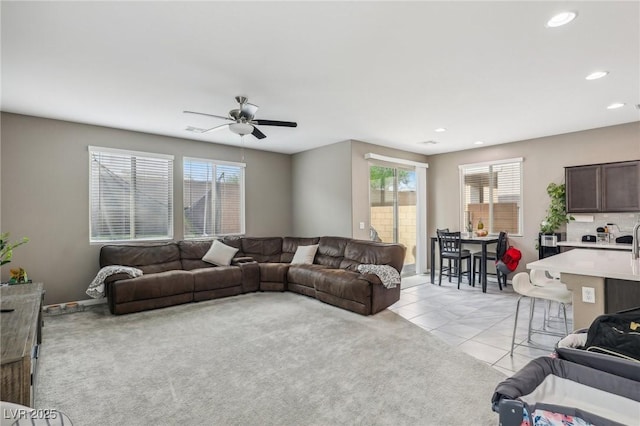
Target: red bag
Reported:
[(511, 258)]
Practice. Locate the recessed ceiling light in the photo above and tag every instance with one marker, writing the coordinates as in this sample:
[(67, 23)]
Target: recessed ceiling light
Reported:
[(440, 129), (561, 19), (478, 143), (615, 105), (596, 75)]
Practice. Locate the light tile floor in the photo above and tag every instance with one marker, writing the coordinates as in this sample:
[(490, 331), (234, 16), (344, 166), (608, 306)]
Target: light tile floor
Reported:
[(480, 324)]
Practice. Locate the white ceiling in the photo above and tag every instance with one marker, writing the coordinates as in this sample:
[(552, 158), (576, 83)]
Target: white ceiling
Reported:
[(387, 73)]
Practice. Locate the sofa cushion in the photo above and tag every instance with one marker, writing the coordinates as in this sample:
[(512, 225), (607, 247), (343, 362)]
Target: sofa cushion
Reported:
[(306, 275), (150, 258), (234, 241), (344, 284), (215, 278), (220, 254), (273, 272), (192, 252), (305, 254), (152, 286), (291, 244), (331, 251), (266, 249)]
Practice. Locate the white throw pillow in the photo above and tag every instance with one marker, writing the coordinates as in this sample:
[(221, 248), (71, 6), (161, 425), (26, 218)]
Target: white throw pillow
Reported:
[(305, 254), (220, 254)]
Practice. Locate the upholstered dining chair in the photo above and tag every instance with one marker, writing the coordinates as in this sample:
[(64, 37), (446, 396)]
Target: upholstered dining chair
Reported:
[(451, 250), (523, 286), (501, 248)]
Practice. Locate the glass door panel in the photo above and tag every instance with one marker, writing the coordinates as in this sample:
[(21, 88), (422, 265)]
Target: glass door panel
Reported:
[(393, 209)]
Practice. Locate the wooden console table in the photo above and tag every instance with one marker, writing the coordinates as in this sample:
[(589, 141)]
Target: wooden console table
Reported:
[(20, 334)]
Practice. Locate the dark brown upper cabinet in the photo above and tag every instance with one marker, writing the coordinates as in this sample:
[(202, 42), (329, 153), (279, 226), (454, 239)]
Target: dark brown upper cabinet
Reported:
[(610, 187), (583, 189)]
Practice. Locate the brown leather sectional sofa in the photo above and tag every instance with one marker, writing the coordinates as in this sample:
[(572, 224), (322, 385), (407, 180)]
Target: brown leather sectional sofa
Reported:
[(175, 273)]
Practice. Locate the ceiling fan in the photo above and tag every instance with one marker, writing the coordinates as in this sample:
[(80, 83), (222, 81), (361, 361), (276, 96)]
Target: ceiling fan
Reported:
[(243, 118)]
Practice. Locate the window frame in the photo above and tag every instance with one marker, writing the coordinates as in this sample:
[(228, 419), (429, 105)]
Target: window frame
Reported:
[(215, 163), (489, 224), (132, 212)]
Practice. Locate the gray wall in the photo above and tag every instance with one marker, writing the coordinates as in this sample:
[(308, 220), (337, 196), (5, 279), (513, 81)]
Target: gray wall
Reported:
[(45, 193), (321, 191), (544, 162)]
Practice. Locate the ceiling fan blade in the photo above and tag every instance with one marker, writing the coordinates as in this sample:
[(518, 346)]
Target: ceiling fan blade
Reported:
[(257, 133), (248, 110), (222, 126), (208, 115), (275, 123)]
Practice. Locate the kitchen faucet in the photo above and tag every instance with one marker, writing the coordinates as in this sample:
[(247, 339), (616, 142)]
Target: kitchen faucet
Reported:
[(636, 241)]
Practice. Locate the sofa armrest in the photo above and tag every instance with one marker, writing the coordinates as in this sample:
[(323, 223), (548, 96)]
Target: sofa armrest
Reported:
[(116, 277)]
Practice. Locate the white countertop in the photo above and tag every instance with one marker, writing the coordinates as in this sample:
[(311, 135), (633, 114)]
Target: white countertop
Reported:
[(595, 263), (582, 244)]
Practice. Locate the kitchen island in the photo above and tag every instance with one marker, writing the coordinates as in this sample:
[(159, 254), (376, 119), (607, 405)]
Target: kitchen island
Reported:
[(613, 275)]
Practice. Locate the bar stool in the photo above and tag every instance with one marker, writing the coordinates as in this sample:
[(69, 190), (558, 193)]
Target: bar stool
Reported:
[(539, 278), (542, 278), (523, 286)]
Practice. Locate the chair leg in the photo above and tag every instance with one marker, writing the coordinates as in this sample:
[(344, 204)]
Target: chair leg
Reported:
[(532, 308), (499, 276), (545, 318), (449, 262), (473, 274), (440, 274), (515, 325), (458, 263)]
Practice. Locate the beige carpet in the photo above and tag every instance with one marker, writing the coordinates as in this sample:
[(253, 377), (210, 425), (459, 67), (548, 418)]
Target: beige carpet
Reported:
[(257, 359)]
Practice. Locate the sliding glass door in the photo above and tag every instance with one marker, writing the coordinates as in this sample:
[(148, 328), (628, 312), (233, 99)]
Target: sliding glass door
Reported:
[(392, 198)]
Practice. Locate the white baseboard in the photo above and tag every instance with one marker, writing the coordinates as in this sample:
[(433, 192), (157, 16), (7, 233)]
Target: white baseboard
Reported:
[(86, 302)]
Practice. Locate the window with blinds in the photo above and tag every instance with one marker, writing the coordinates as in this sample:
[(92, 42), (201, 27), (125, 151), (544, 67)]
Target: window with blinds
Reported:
[(492, 194), (213, 198), (130, 195)]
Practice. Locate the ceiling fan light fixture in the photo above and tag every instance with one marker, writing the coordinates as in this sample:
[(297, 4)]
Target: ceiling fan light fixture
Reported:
[(241, 128)]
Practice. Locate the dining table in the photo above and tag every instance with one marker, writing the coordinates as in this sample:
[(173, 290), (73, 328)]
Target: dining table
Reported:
[(482, 241)]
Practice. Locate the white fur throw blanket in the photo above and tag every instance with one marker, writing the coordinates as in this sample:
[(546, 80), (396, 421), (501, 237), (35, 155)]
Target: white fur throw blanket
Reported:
[(387, 274), (96, 288)]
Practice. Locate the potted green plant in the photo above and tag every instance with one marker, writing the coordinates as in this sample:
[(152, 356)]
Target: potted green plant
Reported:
[(557, 210), (6, 247)]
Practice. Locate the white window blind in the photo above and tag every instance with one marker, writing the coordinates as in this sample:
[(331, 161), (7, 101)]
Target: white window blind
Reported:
[(131, 195), (213, 198), (492, 194)]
